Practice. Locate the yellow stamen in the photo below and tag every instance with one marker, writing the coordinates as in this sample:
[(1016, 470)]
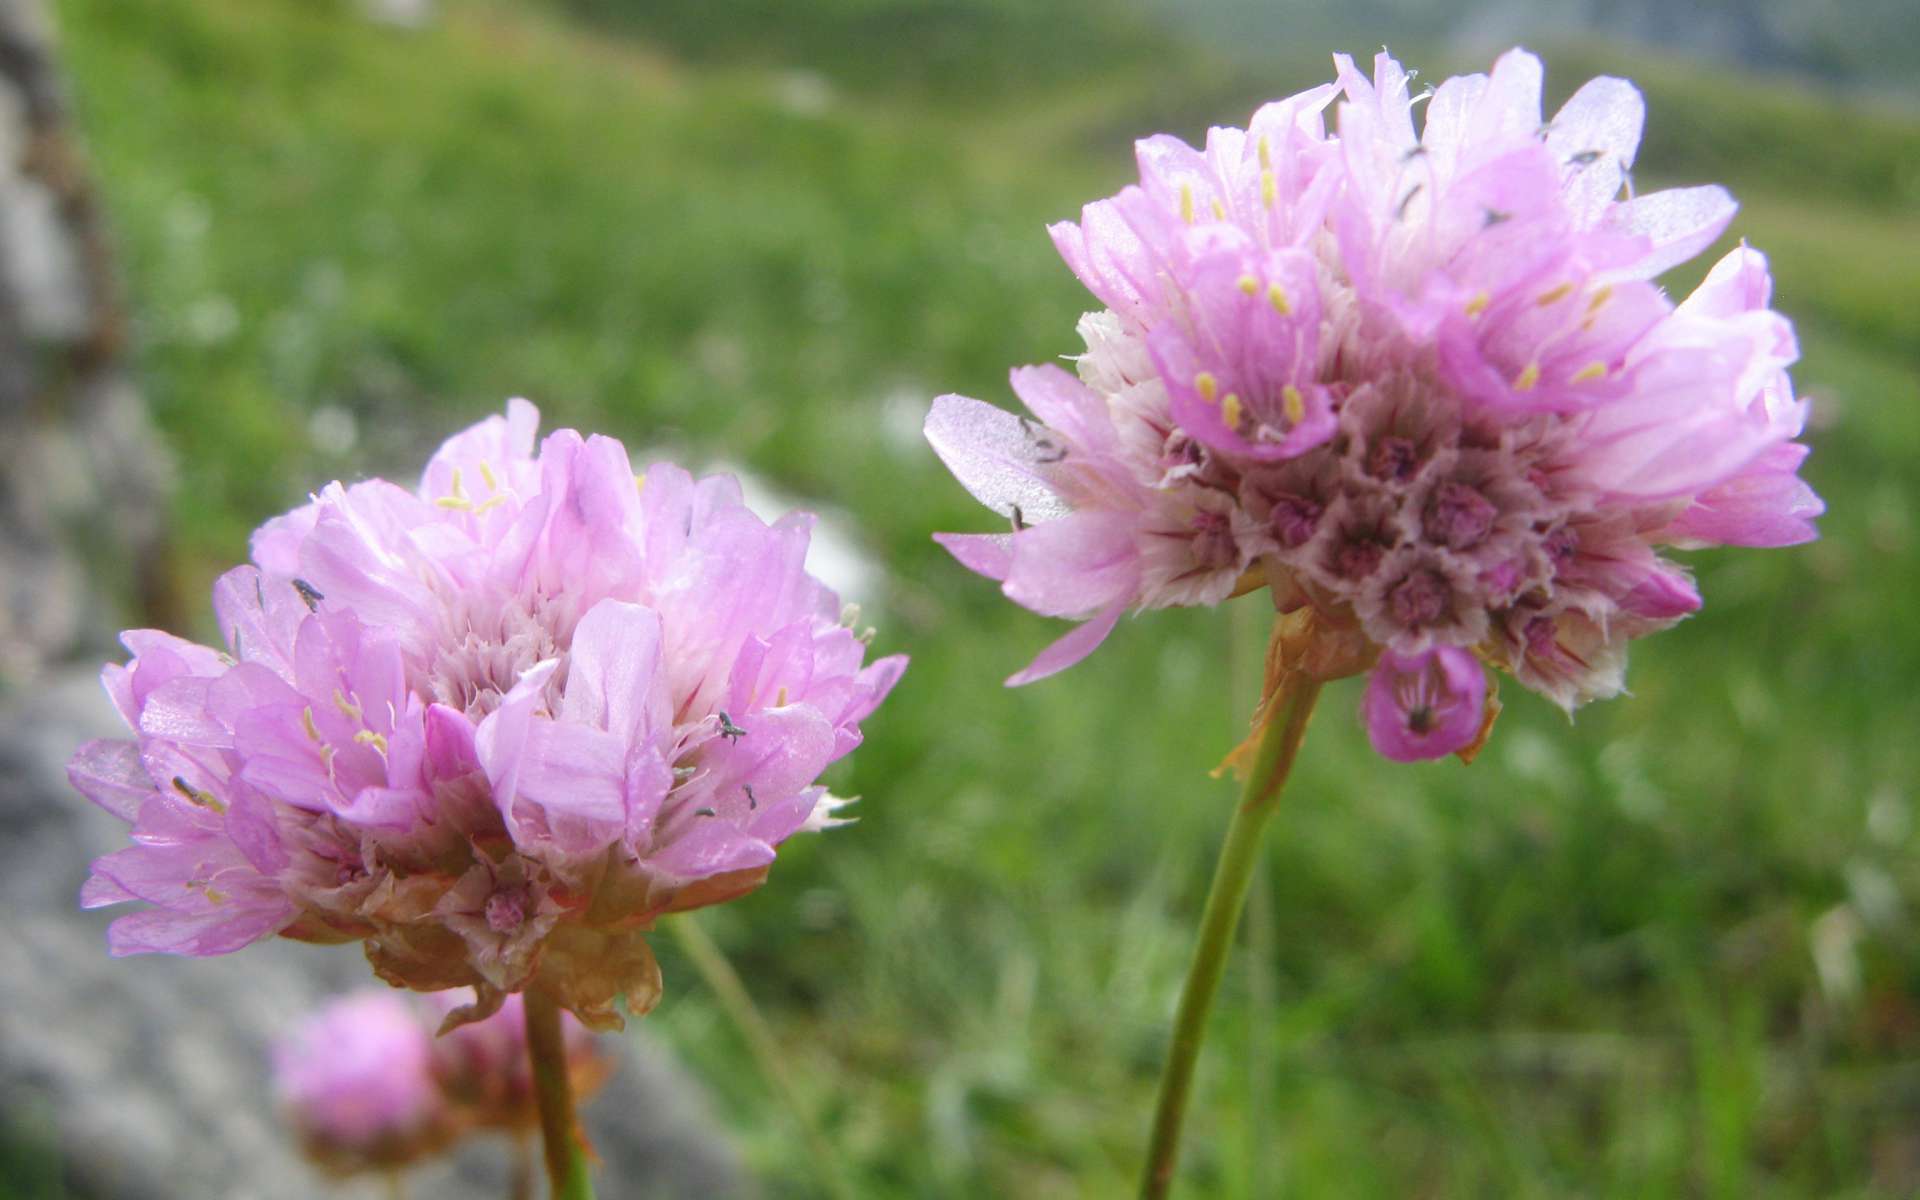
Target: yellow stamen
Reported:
[(1478, 304), (453, 502), (1231, 410), (486, 473), (1600, 297), (1219, 211), (1593, 370), (1186, 203), (306, 719), (1556, 295), (347, 707), (491, 502), (367, 737), (1249, 284), (1525, 381), (1266, 153), (639, 483), (1277, 296), (1206, 385), (1269, 191), (1293, 404), (780, 700)]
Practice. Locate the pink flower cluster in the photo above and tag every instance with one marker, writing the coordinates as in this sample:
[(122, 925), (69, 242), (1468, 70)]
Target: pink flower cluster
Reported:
[(492, 727), (355, 1081), (1421, 381), (366, 1085)]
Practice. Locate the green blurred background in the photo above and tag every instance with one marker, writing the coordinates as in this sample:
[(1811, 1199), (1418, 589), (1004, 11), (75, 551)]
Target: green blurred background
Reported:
[(1670, 950)]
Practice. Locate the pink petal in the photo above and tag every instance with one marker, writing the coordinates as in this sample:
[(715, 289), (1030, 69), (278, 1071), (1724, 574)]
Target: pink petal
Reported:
[(1082, 641), (1423, 706), (1679, 222), (995, 455)]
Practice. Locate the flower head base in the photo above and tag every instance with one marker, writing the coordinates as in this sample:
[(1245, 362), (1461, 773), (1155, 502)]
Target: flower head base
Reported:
[(1420, 383), (491, 728), (355, 1082)]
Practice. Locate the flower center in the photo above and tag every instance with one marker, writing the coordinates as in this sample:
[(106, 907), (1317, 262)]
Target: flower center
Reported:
[(1420, 599), (506, 910), (1293, 520), (1394, 459), (1459, 517), (484, 650)]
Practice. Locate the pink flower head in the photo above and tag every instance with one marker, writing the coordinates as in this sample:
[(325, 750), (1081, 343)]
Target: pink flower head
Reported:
[(484, 1069), (491, 727), (1418, 377), (355, 1081)]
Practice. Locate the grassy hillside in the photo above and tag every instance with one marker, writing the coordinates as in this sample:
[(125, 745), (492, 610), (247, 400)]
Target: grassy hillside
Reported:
[(1584, 966)]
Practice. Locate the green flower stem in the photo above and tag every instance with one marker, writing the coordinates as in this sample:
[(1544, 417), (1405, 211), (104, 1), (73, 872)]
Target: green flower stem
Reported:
[(724, 981), (1279, 744), (559, 1127)]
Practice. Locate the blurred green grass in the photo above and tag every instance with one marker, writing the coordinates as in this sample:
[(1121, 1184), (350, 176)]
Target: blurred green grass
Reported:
[(1584, 966)]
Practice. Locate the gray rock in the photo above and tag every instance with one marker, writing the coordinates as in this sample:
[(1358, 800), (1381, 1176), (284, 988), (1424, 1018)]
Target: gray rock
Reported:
[(149, 1073)]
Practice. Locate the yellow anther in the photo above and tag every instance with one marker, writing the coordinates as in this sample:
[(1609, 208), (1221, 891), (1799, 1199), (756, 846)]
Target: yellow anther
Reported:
[(1293, 404), (1556, 295), (1231, 410), (486, 473), (1269, 190), (306, 720), (1266, 152), (1593, 370), (456, 497), (780, 700), (1524, 381), (1249, 284), (1219, 211), (1600, 297), (491, 502), (347, 708), (367, 737), (1277, 296), (1478, 304), (639, 483), (1186, 203), (1206, 385)]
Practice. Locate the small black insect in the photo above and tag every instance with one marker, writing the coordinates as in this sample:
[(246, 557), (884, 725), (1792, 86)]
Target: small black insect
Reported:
[(752, 802), (1019, 520), (729, 730), (310, 594), (705, 812), (1495, 217)]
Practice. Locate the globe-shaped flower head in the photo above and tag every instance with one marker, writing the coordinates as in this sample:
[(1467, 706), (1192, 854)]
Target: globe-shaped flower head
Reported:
[(355, 1081), (491, 728), (1421, 384)]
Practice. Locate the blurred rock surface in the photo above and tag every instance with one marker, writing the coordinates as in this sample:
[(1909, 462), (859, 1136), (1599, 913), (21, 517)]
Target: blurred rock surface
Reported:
[(150, 1073), (82, 474)]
